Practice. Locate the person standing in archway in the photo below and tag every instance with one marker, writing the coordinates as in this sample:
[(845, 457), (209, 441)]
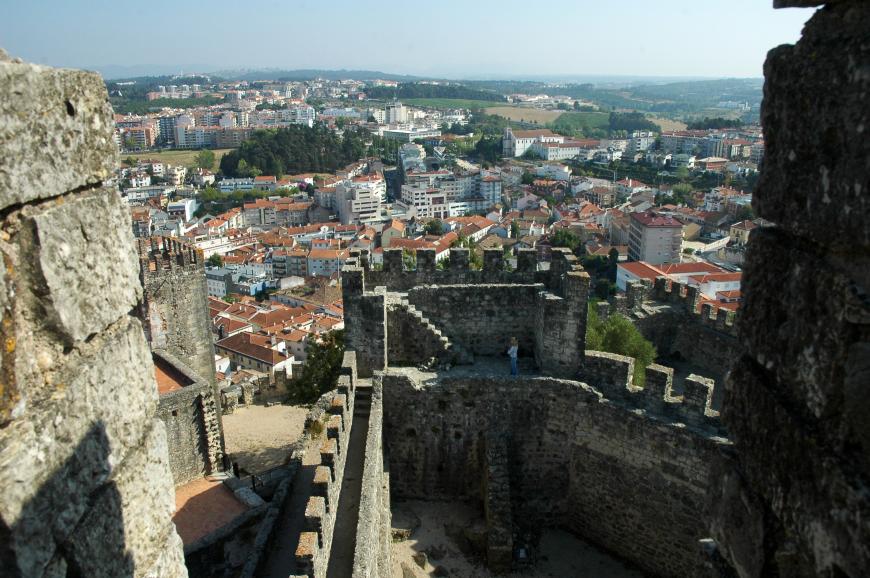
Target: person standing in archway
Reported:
[(512, 353)]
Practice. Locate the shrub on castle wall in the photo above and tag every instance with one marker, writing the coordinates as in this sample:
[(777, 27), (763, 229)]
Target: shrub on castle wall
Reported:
[(321, 370), (618, 335)]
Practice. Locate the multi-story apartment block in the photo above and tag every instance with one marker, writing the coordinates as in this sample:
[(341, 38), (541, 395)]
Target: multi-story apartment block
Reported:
[(397, 113), (654, 238), (360, 200), (640, 141), (175, 174), (326, 262), (490, 189), (260, 212)]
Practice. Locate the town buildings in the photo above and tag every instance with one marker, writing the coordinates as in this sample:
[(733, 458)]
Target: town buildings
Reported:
[(654, 238)]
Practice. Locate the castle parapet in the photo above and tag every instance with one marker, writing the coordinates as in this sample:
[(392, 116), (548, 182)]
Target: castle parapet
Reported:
[(396, 274), (426, 260), (612, 375), (166, 253), (688, 297), (459, 260), (334, 413)]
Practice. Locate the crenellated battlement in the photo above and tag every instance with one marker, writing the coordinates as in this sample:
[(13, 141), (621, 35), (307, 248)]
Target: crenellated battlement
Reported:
[(689, 298), (167, 254), (395, 276), (473, 312), (612, 375), (334, 414)]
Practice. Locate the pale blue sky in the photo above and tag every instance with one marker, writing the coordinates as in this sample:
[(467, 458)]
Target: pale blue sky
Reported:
[(450, 38)]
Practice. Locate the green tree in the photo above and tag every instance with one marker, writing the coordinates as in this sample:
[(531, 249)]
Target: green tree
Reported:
[(205, 159), (618, 335), (215, 261), (604, 288), (566, 238), (515, 230), (434, 227), (612, 262), (321, 369), (409, 259), (527, 178), (682, 173)]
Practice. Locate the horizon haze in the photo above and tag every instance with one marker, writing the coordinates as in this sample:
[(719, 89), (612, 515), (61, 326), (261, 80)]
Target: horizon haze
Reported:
[(554, 39)]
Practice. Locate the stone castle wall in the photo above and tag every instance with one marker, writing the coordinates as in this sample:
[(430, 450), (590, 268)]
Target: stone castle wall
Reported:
[(315, 543), (175, 308), (625, 472), (793, 501), (87, 489), (478, 311), (482, 318), (372, 551), (190, 416), (667, 314), (174, 313)]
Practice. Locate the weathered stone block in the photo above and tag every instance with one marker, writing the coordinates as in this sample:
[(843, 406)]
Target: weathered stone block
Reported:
[(57, 454), (808, 484), (793, 319), (171, 561), (737, 520), (55, 132), (815, 180), (128, 525), (86, 256)]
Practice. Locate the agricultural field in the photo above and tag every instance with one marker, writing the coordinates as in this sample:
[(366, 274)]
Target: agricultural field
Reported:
[(580, 123), (521, 114), (447, 102), (181, 157), (667, 124)]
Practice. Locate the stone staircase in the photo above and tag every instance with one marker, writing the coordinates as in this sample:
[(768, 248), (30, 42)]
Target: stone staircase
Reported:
[(363, 398), (432, 341)]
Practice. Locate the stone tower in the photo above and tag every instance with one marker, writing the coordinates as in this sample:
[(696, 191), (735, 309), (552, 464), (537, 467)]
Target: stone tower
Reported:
[(175, 307)]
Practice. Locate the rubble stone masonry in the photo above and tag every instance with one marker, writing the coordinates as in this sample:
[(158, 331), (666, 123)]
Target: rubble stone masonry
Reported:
[(626, 474), (792, 499), (86, 487)]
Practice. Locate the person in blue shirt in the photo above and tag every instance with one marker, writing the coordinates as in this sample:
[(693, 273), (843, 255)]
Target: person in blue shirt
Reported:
[(512, 352)]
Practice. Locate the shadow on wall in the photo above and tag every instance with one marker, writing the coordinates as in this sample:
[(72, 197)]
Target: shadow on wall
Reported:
[(74, 525)]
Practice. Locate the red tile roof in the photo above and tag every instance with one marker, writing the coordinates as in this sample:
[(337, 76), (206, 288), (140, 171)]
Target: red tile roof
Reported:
[(652, 220), (253, 346)]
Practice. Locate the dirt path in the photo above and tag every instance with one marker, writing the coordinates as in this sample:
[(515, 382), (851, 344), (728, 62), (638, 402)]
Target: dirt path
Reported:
[(561, 554), (259, 437)]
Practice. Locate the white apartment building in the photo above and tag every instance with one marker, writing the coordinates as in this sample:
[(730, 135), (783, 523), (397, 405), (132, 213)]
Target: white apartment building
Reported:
[(182, 209), (397, 113), (410, 134), (490, 189), (654, 238), (555, 151), (378, 114), (429, 202), (360, 200), (515, 143), (640, 141), (175, 174), (554, 172), (230, 185)]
